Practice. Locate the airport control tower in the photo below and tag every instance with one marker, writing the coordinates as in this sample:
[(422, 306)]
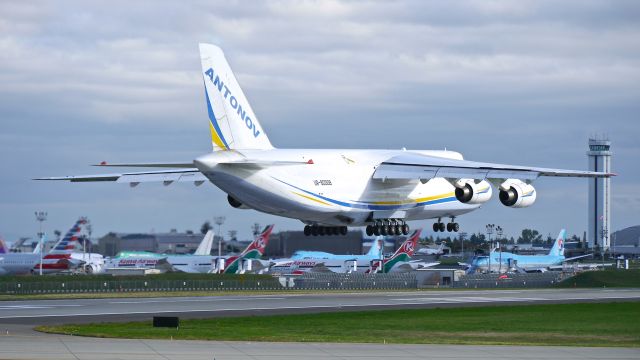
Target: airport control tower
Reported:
[(598, 232)]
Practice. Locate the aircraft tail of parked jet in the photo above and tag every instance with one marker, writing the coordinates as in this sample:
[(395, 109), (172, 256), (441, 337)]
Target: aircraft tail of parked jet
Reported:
[(205, 245), (377, 246), (3, 247), (558, 246), (253, 252), (232, 122), (256, 248), (59, 257), (402, 255)]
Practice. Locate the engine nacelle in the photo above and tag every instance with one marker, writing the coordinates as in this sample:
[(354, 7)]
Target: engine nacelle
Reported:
[(470, 192), (235, 203), (517, 194)]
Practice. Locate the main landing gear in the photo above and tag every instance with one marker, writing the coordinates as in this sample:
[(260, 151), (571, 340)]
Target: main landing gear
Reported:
[(388, 227), (317, 230), (450, 227)]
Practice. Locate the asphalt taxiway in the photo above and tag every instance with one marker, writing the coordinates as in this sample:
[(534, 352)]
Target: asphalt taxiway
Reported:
[(39, 312)]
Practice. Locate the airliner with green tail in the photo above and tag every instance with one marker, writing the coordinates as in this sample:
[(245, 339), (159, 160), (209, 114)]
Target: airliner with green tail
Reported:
[(233, 264)]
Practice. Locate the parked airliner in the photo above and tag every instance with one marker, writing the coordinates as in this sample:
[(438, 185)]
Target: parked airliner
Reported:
[(506, 261), (59, 258), (331, 189), (199, 261)]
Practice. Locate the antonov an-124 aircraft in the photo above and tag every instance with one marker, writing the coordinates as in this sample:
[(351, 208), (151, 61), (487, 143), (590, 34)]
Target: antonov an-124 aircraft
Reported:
[(331, 189)]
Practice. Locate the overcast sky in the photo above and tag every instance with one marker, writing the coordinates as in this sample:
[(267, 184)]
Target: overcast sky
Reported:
[(519, 82)]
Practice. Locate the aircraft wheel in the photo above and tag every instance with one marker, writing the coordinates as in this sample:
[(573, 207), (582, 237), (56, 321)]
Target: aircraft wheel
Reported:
[(397, 229), (376, 230), (314, 230), (384, 230), (369, 230), (456, 227), (449, 227), (307, 230), (336, 230), (343, 230), (392, 230), (321, 230), (405, 229), (436, 227), (442, 227)]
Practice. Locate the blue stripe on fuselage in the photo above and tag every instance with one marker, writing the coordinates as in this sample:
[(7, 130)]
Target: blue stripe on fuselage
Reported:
[(372, 207)]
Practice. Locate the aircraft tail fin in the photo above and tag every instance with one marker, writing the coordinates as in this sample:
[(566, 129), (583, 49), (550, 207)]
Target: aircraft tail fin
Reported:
[(558, 246), (376, 248), (58, 258), (38, 248), (3, 247), (255, 250), (408, 247), (232, 122), (205, 245)]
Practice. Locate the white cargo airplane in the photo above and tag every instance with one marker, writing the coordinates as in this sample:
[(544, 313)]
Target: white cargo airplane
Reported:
[(331, 189)]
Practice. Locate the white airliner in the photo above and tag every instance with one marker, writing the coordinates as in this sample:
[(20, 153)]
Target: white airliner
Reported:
[(432, 251), (59, 258), (331, 189)]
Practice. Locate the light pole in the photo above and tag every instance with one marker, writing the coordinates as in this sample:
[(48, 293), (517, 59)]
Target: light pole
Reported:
[(499, 237), (219, 220), (41, 216), (84, 243), (256, 229), (489, 228), (463, 235)]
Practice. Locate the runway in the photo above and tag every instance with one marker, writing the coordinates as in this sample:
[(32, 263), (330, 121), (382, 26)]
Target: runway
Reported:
[(19, 341), (38, 312)]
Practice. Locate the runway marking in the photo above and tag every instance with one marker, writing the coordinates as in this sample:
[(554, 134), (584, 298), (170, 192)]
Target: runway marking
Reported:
[(337, 306), (193, 300), (28, 307)]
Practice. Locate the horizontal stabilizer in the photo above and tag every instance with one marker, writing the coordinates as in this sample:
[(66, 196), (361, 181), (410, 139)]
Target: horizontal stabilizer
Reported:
[(186, 175), (148, 165)]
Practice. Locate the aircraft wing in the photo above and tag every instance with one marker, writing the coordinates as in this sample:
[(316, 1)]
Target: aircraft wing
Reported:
[(165, 176), (418, 166), (576, 257)]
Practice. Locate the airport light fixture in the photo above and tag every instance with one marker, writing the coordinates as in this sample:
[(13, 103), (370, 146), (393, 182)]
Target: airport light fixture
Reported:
[(463, 236), (84, 242), (41, 216), (256, 229), (489, 228), (219, 220)]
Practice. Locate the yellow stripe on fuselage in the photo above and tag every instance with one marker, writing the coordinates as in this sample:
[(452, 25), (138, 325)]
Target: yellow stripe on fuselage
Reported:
[(215, 138), (312, 199), (419, 200)]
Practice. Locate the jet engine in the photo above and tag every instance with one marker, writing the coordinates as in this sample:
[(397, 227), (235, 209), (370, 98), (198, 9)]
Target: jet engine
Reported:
[(235, 203), (517, 194), (470, 192)]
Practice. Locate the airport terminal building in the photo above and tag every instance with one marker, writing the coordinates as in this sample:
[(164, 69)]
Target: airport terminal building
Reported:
[(167, 243)]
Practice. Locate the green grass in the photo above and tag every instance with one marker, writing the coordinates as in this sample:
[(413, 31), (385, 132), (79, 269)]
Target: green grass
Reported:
[(606, 278), (596, 324)]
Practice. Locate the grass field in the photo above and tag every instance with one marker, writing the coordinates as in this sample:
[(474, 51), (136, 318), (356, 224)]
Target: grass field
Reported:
[(598, 324), (607, 278)]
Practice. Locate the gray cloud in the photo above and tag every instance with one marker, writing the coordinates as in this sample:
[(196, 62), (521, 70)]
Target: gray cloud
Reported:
[(522, 82)]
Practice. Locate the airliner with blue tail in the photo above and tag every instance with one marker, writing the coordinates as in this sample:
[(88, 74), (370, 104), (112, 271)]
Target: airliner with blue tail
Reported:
[(506, 261)]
